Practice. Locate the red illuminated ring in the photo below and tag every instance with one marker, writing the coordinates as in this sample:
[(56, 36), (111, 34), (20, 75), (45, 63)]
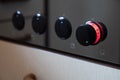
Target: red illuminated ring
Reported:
[(97, 30), (102, 32)]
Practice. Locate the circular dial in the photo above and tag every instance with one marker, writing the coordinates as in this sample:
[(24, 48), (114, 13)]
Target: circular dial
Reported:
[(91, 33), (18, 20), (63, 28), (39, 23)]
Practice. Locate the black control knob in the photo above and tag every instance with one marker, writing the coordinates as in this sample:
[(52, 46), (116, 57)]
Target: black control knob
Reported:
[(91, 33), (63, 28), (39, 23), (18, 20)]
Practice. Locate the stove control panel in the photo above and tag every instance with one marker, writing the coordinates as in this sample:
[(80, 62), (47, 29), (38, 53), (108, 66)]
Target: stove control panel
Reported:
[(23, 20), (88, 28)]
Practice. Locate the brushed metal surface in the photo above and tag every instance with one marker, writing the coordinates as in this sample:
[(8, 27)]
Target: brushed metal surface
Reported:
[(80, 11), (29, 8), (77, 12)]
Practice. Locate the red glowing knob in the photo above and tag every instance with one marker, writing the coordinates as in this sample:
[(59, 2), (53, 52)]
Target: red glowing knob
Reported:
[(91, 33)]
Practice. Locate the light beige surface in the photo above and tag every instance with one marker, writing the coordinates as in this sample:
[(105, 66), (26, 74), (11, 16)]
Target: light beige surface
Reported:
[(16, 61)]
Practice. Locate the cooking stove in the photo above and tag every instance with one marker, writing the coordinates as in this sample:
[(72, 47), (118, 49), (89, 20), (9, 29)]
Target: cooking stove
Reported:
[(82, 28)]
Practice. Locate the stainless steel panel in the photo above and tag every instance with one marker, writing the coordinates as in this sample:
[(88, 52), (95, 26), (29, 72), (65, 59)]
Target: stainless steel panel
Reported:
[(77, 12), (28, 8), (26, 35), (80, 11)]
